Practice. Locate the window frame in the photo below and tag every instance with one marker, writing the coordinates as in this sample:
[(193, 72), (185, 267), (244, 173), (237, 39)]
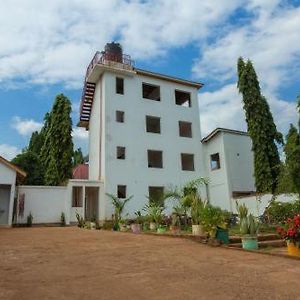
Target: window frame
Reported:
[(148, 162), (153, 118), (122, 156), (182, 165), (119, 186), (218, 165), (118, 79), (191, 129), (154, 86), (183, 92)]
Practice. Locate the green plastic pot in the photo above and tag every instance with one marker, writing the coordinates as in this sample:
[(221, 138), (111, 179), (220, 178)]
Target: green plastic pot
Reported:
[(222, 235), (161, 230), (250, 243)]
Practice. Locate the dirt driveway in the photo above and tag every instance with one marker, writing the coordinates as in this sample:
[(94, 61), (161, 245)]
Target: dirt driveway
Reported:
[(72, 263)]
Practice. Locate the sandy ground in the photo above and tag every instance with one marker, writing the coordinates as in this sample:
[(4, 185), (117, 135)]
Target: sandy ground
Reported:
[(72, 263)]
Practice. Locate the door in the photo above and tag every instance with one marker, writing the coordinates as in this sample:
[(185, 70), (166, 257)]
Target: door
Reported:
[(4, 203)]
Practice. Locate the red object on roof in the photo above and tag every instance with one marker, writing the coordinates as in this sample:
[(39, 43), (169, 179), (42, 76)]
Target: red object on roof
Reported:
[(81, 172)]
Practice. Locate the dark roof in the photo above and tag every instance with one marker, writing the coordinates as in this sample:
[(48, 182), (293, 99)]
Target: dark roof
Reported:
[(13, 167), (195, 84), (81, 172), (219, 129)]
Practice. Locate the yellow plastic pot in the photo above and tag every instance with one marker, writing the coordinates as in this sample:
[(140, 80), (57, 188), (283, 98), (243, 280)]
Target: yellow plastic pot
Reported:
[(293, 249)]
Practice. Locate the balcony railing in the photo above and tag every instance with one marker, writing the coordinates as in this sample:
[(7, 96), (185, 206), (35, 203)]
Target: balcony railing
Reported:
[(119, 61)]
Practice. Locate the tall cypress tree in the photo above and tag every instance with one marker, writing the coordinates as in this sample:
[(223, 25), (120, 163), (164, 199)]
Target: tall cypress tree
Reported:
[(57, 151), (261, 128), (292, 153)]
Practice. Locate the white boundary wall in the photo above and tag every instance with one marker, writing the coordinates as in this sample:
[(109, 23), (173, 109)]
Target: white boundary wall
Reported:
[(256, 207), (45, 203)]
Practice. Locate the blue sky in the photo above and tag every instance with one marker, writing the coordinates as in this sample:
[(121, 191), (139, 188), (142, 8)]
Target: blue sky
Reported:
[(44, 54)]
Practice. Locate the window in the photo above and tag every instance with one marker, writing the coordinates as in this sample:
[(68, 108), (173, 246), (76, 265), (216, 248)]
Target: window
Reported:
[(120, 116), (155, 159), (153, 124), (187, 162), (77, 196), (120, 152), (185, 129), (183, 98), (151, 92), (120, 85), (156, 194), (215, 161), (121, 191)]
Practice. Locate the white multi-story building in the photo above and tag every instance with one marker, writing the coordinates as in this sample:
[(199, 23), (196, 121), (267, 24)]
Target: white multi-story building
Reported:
[(144, 130)]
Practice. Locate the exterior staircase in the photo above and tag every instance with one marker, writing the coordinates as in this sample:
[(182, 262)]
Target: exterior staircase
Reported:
[(87, 101)]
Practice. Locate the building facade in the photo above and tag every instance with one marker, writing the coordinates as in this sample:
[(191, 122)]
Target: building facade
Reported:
[(144, 130), (228, 162)]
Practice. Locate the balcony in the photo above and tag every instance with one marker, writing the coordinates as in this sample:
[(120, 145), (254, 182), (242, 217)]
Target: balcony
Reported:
[(98, 64)]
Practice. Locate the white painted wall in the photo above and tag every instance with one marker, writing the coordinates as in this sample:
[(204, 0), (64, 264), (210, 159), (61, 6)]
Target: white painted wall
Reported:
[(133, 171), (257, 206), (46, 203), (8, 176), (239, 161), (219, 191)]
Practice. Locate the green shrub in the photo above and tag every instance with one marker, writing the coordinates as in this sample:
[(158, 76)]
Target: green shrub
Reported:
[(29, 220), (62, 219), (80, 220), (277, 212)]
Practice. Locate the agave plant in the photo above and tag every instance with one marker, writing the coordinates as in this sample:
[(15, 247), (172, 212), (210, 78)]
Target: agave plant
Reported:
[(248, 226), (154, 212), (119, 205), (242, 210)]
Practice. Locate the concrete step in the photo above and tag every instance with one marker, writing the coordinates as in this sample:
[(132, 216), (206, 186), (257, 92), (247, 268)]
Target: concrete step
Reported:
[(261, 237), (264, 244)]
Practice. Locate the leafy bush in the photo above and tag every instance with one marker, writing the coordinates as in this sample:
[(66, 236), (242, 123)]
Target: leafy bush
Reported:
[(211, 218), (80, 220), (277, 212), (29, 220), (62, 219)]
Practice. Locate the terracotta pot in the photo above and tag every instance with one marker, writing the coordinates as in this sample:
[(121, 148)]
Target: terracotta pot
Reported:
[(136, 228), (175, 229), (293, 249), (152, 226), (197, 230)]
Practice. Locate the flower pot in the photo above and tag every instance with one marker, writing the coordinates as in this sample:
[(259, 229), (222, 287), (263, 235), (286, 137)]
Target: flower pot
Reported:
[(136, 228), (152, 226), (123, 227), (222, 235), (161, 229), (293, 249), (175, 229), (197, 230), (249, 243)]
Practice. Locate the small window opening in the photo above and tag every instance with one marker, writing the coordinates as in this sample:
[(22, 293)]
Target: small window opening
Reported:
[(215, 161), (121, 152), (156, 194), (77, 196), (120, 85), (183, 98), (185, 129), (187, 162), (151, 92), (155, 159), (121, 191), (153, 124), (120, 116)]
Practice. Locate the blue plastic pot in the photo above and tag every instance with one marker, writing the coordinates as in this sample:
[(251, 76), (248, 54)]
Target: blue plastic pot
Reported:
[(250, 243)]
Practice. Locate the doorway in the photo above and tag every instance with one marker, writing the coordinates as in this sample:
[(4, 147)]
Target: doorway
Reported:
[(91, 203), (5, 190)]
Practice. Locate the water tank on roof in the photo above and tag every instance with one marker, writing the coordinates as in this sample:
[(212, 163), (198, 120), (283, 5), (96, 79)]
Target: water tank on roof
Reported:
[(114, 51)]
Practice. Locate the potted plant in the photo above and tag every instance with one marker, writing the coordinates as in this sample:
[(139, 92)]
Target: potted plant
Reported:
[(123, 225), (175, 220), (196, 207), (292, 235), (211, 218), (136, 227), (154, 214), (161, 228), (119, 204), (248, 229)]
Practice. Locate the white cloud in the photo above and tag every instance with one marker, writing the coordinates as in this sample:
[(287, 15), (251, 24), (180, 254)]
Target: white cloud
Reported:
[(56, 44), (223, 108), (25, 127), (80, 133), (9, 151)]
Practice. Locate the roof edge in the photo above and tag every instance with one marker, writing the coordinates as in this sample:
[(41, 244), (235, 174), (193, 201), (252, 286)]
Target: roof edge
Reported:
[(13, 166), (195, 84), (221, 129)]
